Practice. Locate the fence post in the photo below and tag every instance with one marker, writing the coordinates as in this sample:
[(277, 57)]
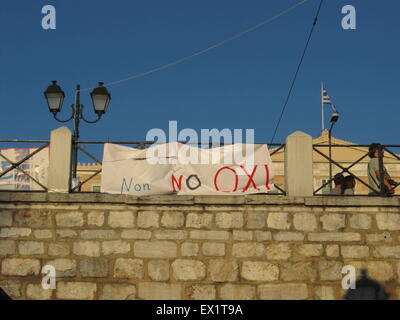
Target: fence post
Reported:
[(299, 165), (60, 160)]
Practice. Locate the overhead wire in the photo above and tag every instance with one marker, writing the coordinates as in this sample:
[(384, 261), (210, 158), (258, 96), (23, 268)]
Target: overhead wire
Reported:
[(198, 53), (297, 71)]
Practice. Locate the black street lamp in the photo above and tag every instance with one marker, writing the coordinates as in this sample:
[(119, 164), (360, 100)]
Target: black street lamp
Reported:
[(55, 98), (334, 119)]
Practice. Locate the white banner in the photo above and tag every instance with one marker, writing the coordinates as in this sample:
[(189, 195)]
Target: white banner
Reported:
[(36, 166), (177, 168)]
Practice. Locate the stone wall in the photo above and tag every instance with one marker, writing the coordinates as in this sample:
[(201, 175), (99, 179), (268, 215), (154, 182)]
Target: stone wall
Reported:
[(250, 247)]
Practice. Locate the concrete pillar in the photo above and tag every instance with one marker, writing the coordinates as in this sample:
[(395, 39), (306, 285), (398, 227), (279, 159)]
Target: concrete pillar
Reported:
[(299, 165), (60, 160)]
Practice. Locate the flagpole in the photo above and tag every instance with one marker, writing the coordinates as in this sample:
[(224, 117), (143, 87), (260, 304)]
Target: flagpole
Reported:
[(322, 105)]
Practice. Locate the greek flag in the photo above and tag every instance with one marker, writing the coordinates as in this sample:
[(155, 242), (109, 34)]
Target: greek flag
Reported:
[(325, 97)]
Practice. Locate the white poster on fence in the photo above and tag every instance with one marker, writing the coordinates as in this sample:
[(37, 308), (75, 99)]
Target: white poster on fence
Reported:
[(177, 168), (36, 166)]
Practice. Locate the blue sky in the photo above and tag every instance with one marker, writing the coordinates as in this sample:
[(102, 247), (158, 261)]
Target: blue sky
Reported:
[(240, 85)]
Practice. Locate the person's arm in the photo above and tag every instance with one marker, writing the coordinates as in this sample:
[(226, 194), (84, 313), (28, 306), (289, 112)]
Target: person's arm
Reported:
[(385, 181)]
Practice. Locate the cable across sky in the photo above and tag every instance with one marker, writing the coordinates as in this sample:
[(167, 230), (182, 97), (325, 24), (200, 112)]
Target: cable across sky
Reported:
[(198, 53)]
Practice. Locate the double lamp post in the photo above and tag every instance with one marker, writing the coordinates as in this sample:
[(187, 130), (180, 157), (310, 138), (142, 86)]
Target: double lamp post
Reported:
[(55, 97)]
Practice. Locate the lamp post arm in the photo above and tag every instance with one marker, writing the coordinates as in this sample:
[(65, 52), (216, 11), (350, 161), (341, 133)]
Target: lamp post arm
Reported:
[(90, 121), (63, 121)]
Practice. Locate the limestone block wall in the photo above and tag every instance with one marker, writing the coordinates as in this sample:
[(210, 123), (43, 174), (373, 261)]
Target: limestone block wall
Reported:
[(250, 247)]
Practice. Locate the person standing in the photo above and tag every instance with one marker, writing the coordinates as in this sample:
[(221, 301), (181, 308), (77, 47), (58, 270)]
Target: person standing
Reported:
[(374, 172)]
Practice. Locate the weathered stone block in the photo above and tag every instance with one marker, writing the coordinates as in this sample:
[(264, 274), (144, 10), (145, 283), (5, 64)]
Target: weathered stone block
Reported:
[(11, 287), (148, 219), (263, 235), (14, 232), (278, 220), (155, 249), (189, 249), (6, 218), (330, 270), (201, 292), (354, 251), (136, 234), (379, 237), (66, 233), (332, 251), (285, 291), (229, 220), (388, 221), (128, 269), (188, 269), (121, 219), (20, 267), (310, 250), (115, 247), (237, 292), (87, 248), (159, 291), (259, 271), (223, 270), (209, 235), (158, 270), (93, 268), (240, 235), (199, 220), (248, 249), (118, 292), (387, 252), (333, 221), (214, 249), (278, 251), (360, 221), (76, 290), (30, 247), (288, 236), (59, 249), (305, 221), (43, 234), (334, 237), (64, 267), (170, 234), (95, 218), (36, 292), (98, 234), (301, 271), (172, 219), (255, 220), (35, 219), (7, 247), (70, 219)]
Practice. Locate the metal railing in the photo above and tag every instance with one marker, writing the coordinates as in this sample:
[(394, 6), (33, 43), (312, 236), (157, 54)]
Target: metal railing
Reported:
[(8, 165), (83, 148), (383, 190)]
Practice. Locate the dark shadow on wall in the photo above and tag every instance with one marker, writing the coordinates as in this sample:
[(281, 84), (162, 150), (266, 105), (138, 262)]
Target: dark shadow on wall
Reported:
[(4, 295), (366, 289)]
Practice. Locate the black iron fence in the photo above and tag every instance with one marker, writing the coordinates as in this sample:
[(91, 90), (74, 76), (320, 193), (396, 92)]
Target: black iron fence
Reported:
[(384, 189), (18, 171), (21, 169)]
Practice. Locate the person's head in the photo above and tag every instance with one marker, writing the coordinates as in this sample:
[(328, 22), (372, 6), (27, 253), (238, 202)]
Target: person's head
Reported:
[(338, 179), (373, 151), (349, 182)]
